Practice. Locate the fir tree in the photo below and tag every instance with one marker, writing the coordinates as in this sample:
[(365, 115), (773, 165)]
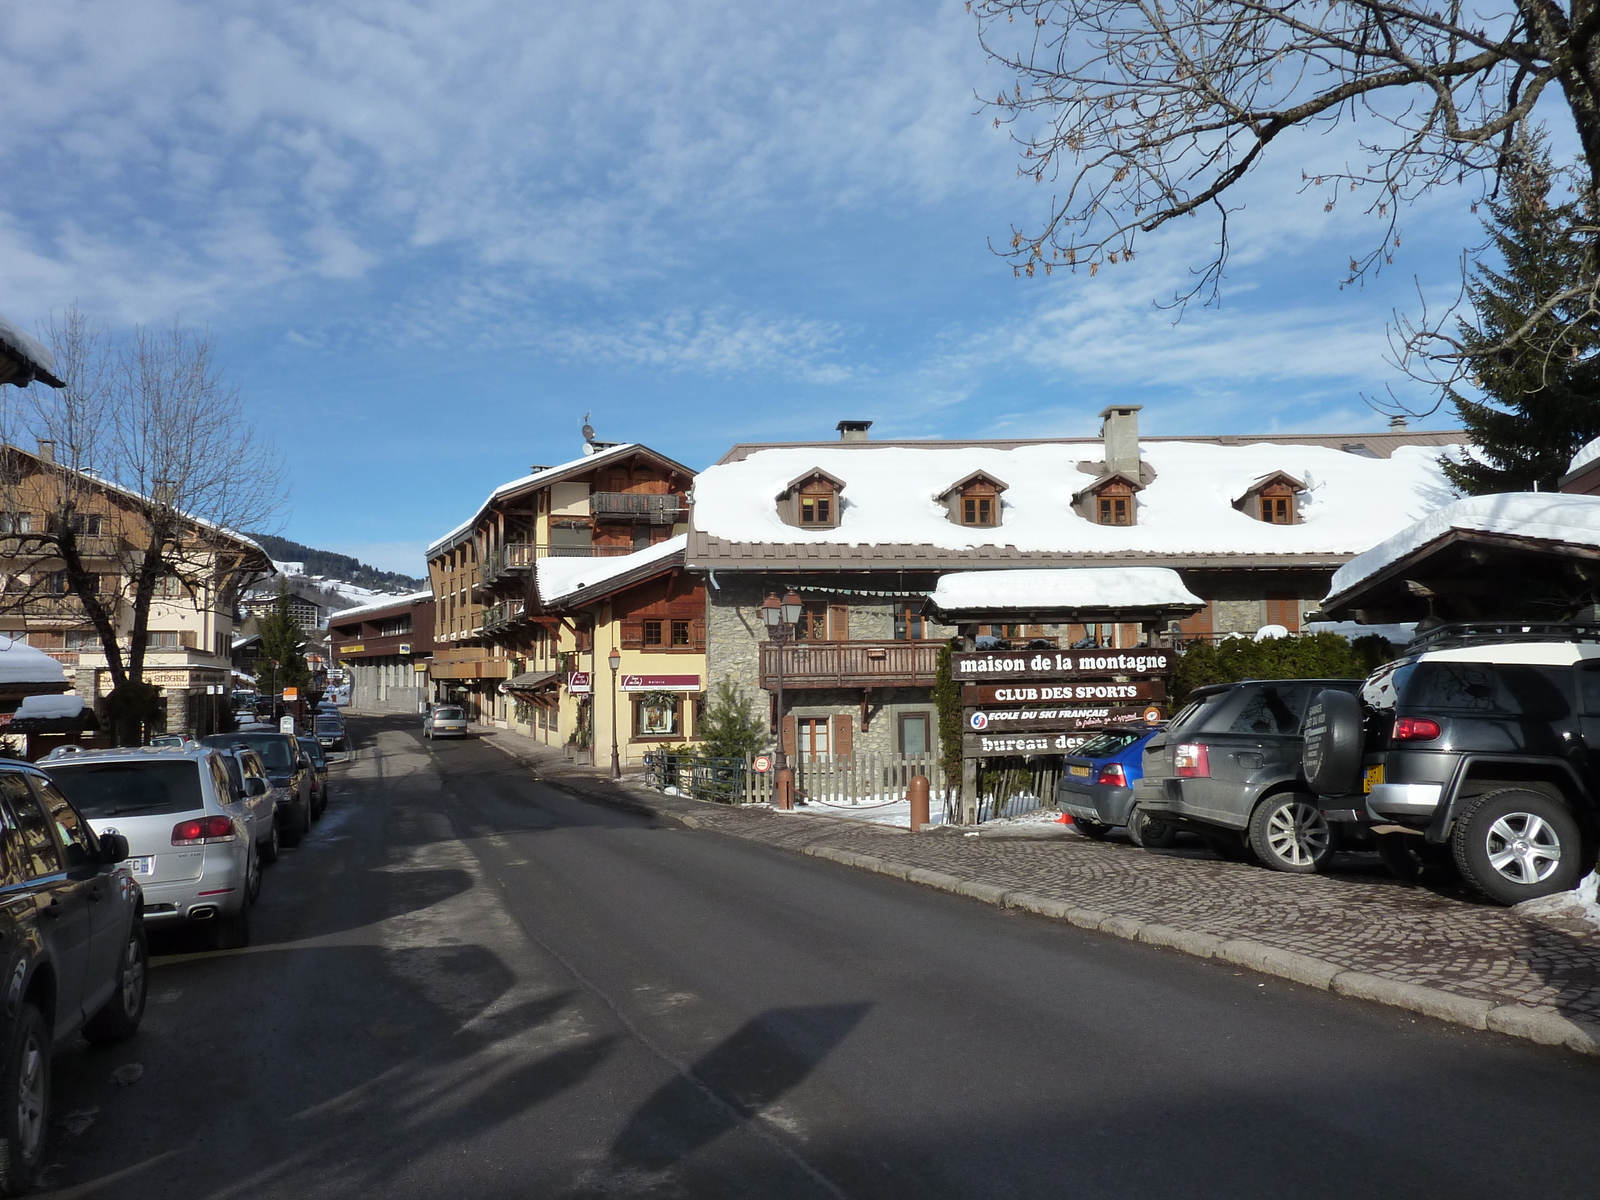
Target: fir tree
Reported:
[(730, 726), (282, 642), (1541, 398)]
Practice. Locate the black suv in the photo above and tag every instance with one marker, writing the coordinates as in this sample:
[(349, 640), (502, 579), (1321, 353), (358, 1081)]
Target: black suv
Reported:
[(1228, 768), (72, 950), (1483, 739)]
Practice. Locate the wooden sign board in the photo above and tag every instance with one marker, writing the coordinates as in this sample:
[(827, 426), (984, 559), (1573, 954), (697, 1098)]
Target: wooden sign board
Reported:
[(983, 666), (1004, 745), (991, 695), (1002, 721)]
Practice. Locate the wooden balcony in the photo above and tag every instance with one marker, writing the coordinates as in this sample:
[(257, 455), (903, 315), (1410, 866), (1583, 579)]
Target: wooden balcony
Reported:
[(850, 664), (518, 558), (629, 506), (54, 610)]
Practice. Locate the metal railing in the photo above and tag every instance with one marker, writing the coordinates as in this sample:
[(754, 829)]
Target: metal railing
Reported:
[(498, 616), (520, 557), (656, 509), (723, 780), (850, 664)]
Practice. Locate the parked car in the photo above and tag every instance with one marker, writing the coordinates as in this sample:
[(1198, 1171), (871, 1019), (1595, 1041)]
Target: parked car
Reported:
[(1228, 768), (72, 946), (244, 764), (188, 838), (328, 706), (319, 773), (330, 732), (288, 772), (173, 739), (445, 720), (1096, 786), (1483, 741)]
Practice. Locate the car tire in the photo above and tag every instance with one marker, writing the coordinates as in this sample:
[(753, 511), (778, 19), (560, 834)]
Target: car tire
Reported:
[(231, 932), (295, 826), (252, 879), (25, 1116), (1153, 833), (1095, 831), (269, 851), (1414, 861), (1485, 845), (1289, 833), (1228, 845), (314, 810), (119, 1019)]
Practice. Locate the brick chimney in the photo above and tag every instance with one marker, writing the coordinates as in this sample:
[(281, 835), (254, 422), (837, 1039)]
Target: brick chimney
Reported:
[(1119, 431), (853, 431)]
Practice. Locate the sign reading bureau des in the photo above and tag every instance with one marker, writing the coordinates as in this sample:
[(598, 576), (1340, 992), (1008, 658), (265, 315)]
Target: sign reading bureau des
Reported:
[(984, 665)]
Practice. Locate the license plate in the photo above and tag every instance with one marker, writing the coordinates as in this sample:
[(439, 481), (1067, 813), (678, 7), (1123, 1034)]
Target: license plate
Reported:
[(1078, 770), (143, 866), (1373, 776)]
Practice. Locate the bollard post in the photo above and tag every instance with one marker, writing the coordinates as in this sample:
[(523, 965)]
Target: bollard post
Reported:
[(783, 790), (917, 794)]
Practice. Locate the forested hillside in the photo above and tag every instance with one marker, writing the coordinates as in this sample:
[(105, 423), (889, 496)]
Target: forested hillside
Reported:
[(337, 566)]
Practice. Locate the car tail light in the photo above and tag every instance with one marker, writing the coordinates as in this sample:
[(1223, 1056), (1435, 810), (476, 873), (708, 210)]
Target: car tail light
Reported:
[(1192, 760), (202, 831), (1114, 775), (1415, 729)]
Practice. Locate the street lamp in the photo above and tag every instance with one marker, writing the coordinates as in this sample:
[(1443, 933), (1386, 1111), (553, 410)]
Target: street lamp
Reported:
[(780, 617), (616, 662)]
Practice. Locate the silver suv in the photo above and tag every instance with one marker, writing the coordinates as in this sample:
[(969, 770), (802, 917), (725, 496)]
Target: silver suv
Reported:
[(189, 841)]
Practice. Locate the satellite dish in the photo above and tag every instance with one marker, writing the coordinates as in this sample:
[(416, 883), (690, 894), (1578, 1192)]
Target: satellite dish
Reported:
[(588, 433)]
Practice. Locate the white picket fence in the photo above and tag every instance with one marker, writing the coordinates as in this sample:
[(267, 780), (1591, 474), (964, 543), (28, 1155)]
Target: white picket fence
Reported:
[(853, 782)]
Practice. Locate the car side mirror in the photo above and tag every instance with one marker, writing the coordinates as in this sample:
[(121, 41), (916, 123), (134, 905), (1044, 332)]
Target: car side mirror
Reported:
[(254, 785), (113, 848)]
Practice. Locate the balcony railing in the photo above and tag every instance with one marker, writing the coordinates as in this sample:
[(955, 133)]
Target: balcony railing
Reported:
[(850, 664), (54, 609), (519, 557), (498, 616), (657, 510)]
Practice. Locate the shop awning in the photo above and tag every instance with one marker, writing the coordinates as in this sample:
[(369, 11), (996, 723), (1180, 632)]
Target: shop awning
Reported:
[(532, 682)]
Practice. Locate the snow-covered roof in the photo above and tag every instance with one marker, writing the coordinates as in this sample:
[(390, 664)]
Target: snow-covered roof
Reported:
[(21, 663), (379, 605), (30, 350), (547, 475), (1546, 516), (1062, 587), (563, 577), (46, 708), (1186, 509), (1585, 456)]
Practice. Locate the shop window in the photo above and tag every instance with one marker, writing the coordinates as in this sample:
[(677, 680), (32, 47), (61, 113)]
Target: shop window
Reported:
[(657, 715)]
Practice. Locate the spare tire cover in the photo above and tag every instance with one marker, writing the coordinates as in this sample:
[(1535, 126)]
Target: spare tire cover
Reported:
[(1333, 743)]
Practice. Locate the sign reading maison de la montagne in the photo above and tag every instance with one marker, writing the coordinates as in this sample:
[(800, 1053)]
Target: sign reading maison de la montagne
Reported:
[(1058, 664)]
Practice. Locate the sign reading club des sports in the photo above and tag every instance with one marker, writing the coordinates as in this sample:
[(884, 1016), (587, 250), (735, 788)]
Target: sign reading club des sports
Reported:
[(1058, 664), (1083, 692)]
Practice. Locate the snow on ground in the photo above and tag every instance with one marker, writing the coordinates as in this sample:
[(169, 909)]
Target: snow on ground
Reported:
[(893, 812), (890, 494), (1063, 587), (1583, 902), (1548, 516)]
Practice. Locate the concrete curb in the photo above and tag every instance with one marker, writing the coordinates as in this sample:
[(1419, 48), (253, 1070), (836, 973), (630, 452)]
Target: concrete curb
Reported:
[(1540, 1025)]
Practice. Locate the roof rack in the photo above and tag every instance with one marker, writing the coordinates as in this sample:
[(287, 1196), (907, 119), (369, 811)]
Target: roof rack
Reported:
[(1480, 633)]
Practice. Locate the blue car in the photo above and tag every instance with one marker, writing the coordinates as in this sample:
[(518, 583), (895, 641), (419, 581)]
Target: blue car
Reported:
[(1096, 787)]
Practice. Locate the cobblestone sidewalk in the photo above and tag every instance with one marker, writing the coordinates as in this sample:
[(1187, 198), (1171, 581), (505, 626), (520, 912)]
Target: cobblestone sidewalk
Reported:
[(1363, 934)]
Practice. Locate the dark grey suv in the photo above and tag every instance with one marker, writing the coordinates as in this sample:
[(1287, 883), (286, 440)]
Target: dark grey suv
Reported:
[(1228, 768)]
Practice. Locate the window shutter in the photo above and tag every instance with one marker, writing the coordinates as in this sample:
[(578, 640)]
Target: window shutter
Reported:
[(843, 735), (633, 635), (838, 622), (788, 736), (1285, 612), (697, 635), (186, 638), (1202, 621)]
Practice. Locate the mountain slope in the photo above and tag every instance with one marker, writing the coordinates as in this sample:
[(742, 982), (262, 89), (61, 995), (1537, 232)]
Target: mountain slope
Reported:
[(337, 566)]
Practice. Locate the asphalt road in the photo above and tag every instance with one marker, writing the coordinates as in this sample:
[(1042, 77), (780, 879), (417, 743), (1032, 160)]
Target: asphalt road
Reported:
[(469, 983)]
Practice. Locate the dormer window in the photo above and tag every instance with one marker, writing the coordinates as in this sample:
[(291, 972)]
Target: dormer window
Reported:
[(1273, 499), (974, 500), (1109, 500), (812, 501)]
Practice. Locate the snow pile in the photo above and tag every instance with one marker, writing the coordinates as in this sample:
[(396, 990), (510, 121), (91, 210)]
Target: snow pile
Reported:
[(1065, 587), (1547, 516), (50, 708), (26, 347), (1582, 903), (874, 812), (1585, 456), (561, 577), (889, 498), (21, 663)]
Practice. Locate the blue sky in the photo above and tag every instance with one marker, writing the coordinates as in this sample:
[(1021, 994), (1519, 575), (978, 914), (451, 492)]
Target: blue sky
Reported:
[(431, 236)]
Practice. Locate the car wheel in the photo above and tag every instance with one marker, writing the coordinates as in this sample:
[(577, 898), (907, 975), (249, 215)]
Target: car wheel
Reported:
[(268, 852), (120, 1017), (1514, 845), (1093, 830), (252, 878), (1412, 860), (232, 933), (294, 825), (314, 809), (1289, 833), (1228, 845), (24, 1117), (1153, 833)]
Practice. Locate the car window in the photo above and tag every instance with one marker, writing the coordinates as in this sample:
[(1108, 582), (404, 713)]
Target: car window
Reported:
[(272, 747), (235, 774), (329, 725), (114, 789), (1512, 690), (1106, 744), (222, 781), (447, 714), (39, 854), (13, 856), (1266, 708), (77, 839)]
